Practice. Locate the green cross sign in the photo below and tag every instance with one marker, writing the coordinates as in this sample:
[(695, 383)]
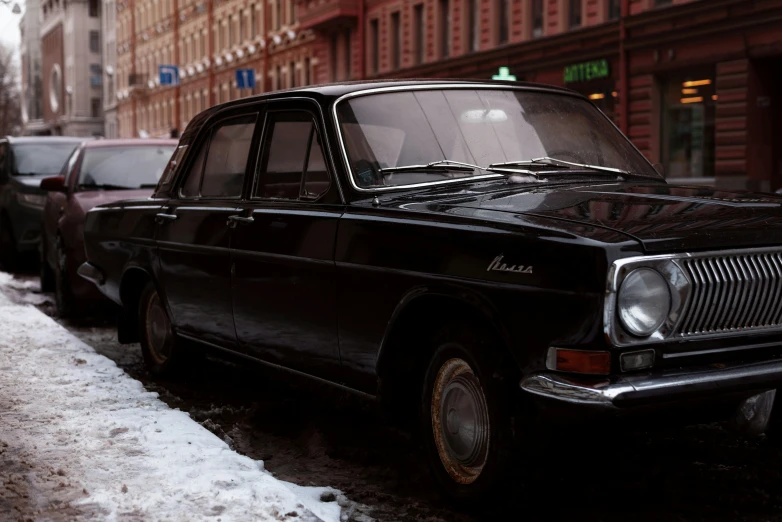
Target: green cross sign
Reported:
[(504, 75)]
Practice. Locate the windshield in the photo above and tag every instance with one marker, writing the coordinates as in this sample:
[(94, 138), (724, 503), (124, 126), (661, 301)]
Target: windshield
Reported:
[(131, 167), (479, 127), (41, 159)]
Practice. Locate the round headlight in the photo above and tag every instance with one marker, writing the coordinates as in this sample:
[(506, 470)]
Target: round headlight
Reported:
[(644, 301)]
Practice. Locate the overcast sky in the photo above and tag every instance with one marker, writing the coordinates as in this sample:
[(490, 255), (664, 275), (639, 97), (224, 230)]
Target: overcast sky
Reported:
[(9, 26)]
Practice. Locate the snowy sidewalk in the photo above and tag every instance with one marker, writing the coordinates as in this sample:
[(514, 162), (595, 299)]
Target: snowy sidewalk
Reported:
[(80, 440)]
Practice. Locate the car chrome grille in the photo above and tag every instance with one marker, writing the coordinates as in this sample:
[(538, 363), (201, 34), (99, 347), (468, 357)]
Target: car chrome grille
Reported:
[(732, 293)]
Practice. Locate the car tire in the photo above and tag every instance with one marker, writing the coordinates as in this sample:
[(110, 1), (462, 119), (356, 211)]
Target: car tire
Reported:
[(9, 256), (159, 345), (46, 273), (63, 297), (465, 416)]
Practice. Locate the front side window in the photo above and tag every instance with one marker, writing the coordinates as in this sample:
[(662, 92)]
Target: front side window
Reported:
[(219, 167), (294, 166), (123, 168), (476, 126), (68, 171)]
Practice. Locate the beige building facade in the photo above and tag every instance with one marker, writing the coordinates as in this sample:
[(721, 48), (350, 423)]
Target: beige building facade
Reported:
[(72, 67)]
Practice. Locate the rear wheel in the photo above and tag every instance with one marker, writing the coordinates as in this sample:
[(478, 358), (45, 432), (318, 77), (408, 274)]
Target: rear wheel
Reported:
[(465, 417), (9, 256), (45, 271), (63, 297), (159, 346)]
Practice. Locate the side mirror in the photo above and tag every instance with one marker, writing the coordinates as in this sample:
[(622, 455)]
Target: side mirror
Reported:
[(53, 184)]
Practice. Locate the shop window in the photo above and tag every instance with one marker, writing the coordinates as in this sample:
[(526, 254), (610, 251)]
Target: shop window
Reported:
[(347, 51), (574, 14), (420, 28), (375, 51), (445, 28), (474, 29), (503, 14), (396, 41), (614, 9), (687, 129), (537, 18)]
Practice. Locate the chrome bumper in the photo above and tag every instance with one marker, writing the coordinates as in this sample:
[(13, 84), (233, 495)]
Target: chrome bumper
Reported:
[(91, 273), (670, 385)]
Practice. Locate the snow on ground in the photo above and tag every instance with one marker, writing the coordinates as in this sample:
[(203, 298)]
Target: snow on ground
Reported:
[(79, 439)]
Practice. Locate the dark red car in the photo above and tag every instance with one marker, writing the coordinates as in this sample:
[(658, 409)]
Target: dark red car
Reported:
[(97, 172)]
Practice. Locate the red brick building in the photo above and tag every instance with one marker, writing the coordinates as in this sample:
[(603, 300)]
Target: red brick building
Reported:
[(696, 84)]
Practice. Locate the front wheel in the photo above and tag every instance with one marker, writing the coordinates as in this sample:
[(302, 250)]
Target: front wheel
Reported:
[(63, 296), (158, 342), (464, 417), (45, 271)]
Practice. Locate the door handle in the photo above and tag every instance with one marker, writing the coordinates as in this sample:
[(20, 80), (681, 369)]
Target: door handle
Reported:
[(233, 220), (163, 217)]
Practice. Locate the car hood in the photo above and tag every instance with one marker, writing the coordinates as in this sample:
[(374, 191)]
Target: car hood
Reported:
[(92, 198), (30, 181), (661, 217)]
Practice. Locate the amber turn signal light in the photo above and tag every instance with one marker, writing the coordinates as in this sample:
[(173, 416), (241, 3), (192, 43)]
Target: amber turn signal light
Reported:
[(578, 361)]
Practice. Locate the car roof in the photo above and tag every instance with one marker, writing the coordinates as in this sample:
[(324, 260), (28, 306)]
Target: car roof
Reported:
[(129, 142), (329, 92), (47, 139)]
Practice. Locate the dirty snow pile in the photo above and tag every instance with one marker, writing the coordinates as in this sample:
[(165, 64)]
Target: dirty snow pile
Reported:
[(77, 434)]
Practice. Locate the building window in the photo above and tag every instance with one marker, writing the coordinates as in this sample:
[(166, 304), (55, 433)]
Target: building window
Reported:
[(503, 14), (95, 75), (574, 14), (396, 41), (242, 27), (445, 28), (474, 29), (375, 43), (333, 57), (93, 8), (614, 9), (537, 18), (419, 32), (307, 71), (95, 107), (278, 14), (658, 3), (292, 72), (687, 130), (348, 57), (94, 41)]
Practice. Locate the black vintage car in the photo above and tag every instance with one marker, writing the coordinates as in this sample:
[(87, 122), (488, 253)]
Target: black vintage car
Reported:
[(482, 256)]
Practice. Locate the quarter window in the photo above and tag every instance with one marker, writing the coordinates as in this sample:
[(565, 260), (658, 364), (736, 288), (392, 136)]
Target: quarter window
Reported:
[(218, 170), (294, 166)]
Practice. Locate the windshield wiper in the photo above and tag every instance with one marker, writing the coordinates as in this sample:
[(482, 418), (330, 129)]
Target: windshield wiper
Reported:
[(560, 164), (434, 166)]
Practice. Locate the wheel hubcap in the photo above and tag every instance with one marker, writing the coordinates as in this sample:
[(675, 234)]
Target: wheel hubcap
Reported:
[(158, 330), (460, 421)]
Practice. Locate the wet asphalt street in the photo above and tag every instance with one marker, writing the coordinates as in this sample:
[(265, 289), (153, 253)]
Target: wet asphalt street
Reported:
[(311, 434)]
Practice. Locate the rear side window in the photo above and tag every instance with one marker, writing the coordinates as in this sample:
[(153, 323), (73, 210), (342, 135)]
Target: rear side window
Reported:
[(293, 167), (219, 167)]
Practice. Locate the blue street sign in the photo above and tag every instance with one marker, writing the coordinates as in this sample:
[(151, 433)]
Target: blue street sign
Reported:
[(245, 78), (169, 74)]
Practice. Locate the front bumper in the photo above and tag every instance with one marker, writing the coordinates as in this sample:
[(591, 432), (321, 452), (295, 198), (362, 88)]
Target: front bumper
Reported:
[(630, 391)]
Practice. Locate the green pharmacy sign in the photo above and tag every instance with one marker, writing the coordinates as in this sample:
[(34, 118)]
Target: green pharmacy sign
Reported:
[(504, 74), (584, 72)]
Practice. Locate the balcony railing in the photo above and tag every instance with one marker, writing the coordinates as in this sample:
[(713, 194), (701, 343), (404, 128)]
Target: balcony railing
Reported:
[(320, 14)]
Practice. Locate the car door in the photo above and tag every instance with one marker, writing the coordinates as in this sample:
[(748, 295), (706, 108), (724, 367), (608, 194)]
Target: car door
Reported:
[(193, 235), (284, 280)]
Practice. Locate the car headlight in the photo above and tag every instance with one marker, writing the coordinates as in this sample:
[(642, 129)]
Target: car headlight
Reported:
[(31, 200), (644, 301)]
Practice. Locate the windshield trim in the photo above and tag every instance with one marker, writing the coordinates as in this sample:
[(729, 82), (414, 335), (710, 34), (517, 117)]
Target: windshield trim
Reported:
[(451, 86)]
